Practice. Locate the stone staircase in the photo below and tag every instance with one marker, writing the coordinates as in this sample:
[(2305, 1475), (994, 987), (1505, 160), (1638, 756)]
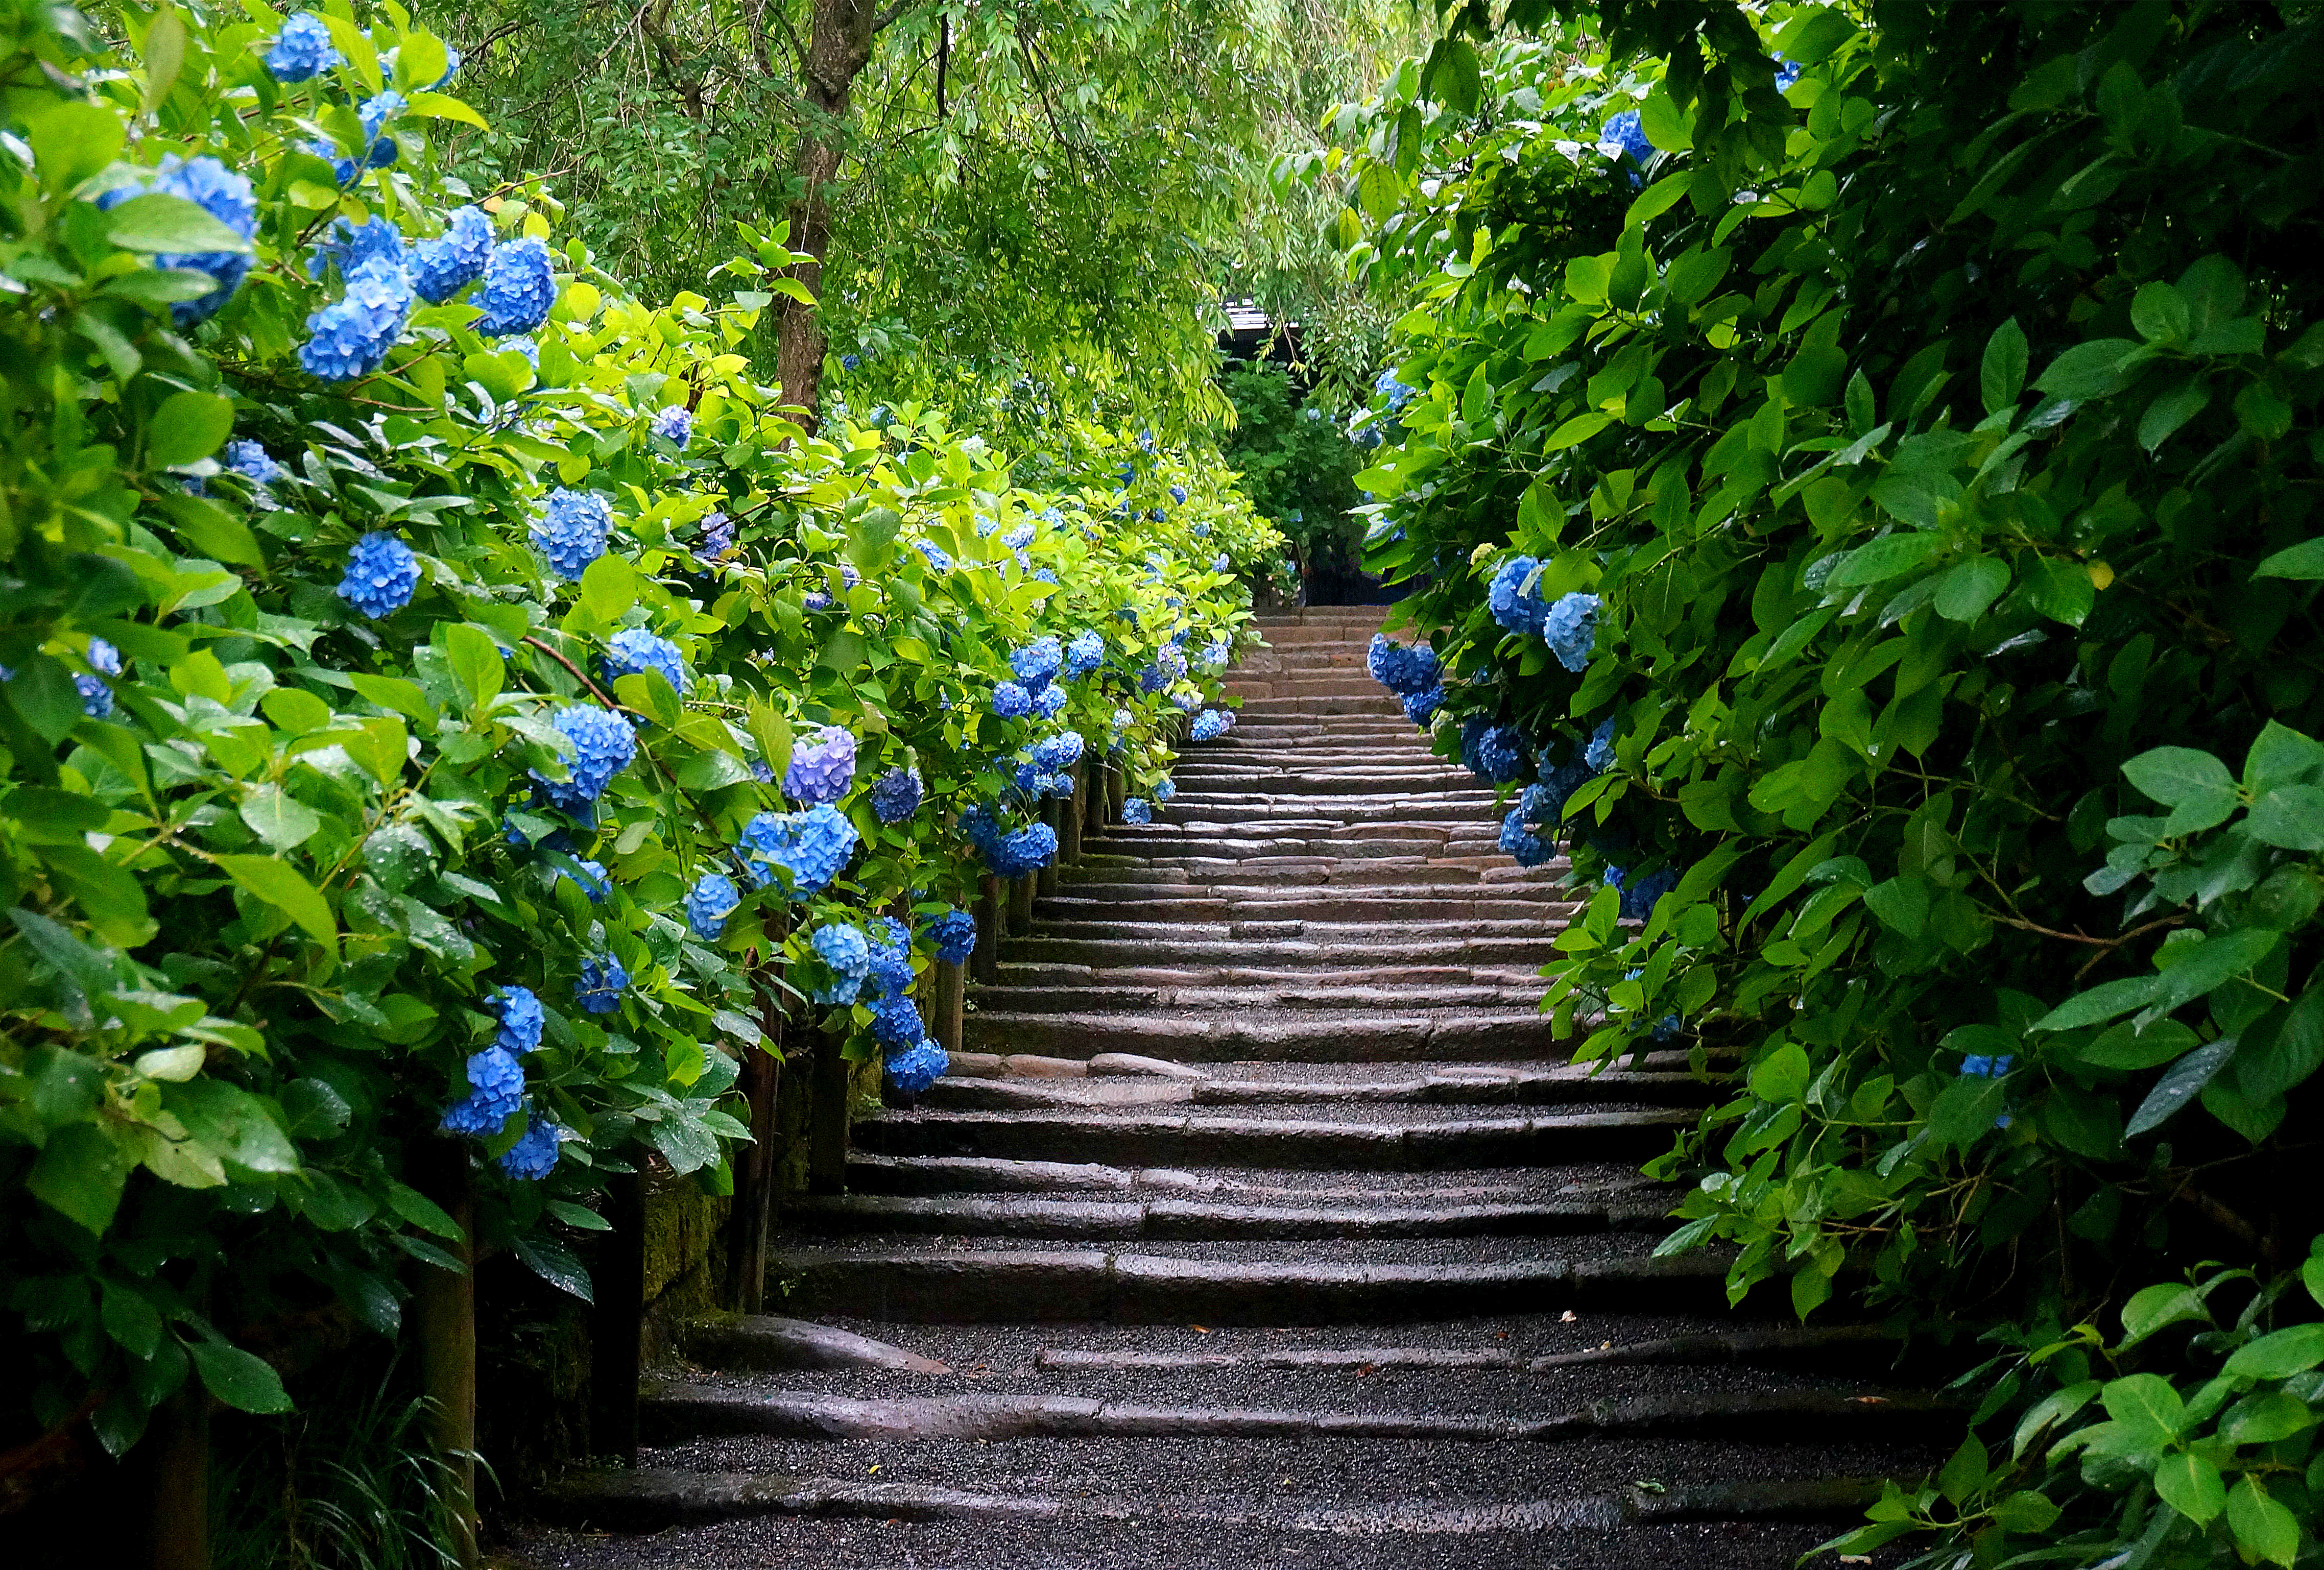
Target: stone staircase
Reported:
[(1263, 1223)]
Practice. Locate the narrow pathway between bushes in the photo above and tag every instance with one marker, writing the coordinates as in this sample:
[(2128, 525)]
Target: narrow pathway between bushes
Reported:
[(1262, 1227)]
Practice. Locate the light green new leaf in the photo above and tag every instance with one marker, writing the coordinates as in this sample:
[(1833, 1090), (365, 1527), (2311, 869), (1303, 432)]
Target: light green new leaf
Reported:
[(2190, 1485), (2280, 1356), (2263, 1528), (279, 885), (2171, 774)]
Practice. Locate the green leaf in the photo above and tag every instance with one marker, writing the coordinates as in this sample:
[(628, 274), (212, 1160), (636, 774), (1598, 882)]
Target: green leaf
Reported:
[(2024, 1511), (580, 1216), (475, 660), (2170, 410), (54, 817), (2263, 1528), (43, 692), (2145, 1405), (1815, 34), (1574, 432), (2171, 774), (2305, 561), (157, 222), (2280, 1356), (80, 1174), (2161, 313), (1902, 903), (2290, 818), (2089, 371), (609, 587), (2214, 962), (2265, 1417), (2001, 377), (1967, 587), (131, 1319), (277, 817), (211, 530), (2190, 1485), (420, 1211), (1782, 1076), (186, 427), (2179, 1085), (279, 885), (2102, 1003), (233, 1376), (2150, 1308), (555, 1263), (1883, 559)]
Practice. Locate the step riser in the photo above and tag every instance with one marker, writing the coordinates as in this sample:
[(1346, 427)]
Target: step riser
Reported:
[(1229, 1041), (1064, 1221), (1121, 1142)]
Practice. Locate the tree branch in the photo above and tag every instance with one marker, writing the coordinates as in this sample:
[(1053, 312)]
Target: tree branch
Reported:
[(758, 37), (653, 20), (889, 15)]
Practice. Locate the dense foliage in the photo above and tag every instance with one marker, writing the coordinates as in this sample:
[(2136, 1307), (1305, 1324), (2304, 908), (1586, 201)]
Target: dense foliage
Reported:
[(449, 704), (1296, 463), (1863, 478)]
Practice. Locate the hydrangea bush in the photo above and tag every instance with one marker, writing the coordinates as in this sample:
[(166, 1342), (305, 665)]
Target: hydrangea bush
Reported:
[(399, 697)]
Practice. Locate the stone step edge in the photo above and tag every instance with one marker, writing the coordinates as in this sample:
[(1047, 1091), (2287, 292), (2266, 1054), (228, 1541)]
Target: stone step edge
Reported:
[(1821, 1344), (971, 1175), (650, 1500), (1182, 1220)]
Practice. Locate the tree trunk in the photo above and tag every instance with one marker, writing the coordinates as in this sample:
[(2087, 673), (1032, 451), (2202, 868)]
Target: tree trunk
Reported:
[(839, 46)]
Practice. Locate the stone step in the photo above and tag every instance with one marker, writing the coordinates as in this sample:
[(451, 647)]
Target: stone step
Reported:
[(962, 1280), (1163, 843), (1371, 872), (1325, 994), (1471, 1086), (1209, 907), (1286, 685), (1410, 1038), (1409, 1141), (941, 1176), (1197, 1220), (1378, 702), (1116, 945), (1016, 976)]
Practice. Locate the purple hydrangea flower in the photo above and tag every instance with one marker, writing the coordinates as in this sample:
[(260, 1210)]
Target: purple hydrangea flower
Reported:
[(674, 425), (822, 767), (896, 794), (381, 576)]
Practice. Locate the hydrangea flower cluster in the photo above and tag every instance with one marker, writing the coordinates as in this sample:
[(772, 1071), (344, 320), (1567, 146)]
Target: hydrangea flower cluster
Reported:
[(302, 50), (1049, 701), (847, 955), (633, 651), (1024, 850), (1401, 670), (1599, 751), (1622, 133), (1992, 1067), (1059, 752), (1171, 661), (349, 246), (716, 538), (495, 1089), (380, 149), (1136, 810), (709, 902), (1420, 708), (222, 193), (811, 845), (953, 935), (95, 697), (896, 1022), (588, 876), (912, 1071), (938, 559), (350, 337), (520, 1019), (891, 958), (674, 424), (1639, 897), (1165, 788), (1038, 661), (599, 989), (603, 746), (1515, 604), (822, 767), (1011, 701), (1083, 655), (1570, 628), (381, 574), (896, 794), (534, 1155), (1494, 753), (518, 288), (572, 529), (249, 460), (444, 266), (1211, 724), (1529, 832)]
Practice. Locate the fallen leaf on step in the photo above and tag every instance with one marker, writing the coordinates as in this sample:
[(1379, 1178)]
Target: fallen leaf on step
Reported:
[(1870, 1401), (1568, 1317), (1200, 1329), (1856, 1558), (1605, 1347), (872, 1468)]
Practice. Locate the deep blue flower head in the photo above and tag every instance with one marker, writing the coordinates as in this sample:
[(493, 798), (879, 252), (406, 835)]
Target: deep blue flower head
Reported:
[(497, 1080), (1185, 701), (980, 825), (708, 904), (1992, 1067), (226, 195), (1136, 810), (812, 846), (1011, 701), (1529, 848), (822, 767), (816, 599), (1516, 605), (348, 246), (912, 1071), (604, 744), (381, 574), (851, 362), (1570, 629), (1211, 724), (1127, 471), (95, 697), (249, 460), (599, 990), (1024, 850), (844, 951), (350, 337), (444, 266), (534, 1155), (1178, 494), (1420, 708), (1083, 655), (1493, 753), (588, 876), (1058, 752), (1640, 895), (1623, 134), (302, 50), (571, 530), (896, 1022), (953, 935), (518, 287), (938, 559), (674, 425), (519, 1012), (896, 794), (890, 941), (374, 113), (471, 1115), (1600, 751), (1402, 671), (1038, 661), (1787, 73), (1049, 701), (633, 651)]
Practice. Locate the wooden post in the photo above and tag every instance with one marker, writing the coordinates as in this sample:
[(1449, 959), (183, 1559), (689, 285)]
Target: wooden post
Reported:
[(1117, 790), (1069, 828), (755, 1167), (826, 1142), (1045, 880), (444, 1311), (1020, 904), (985, 962), (1093, 798), (617, 1321), (947, 1003), (179, 1446)]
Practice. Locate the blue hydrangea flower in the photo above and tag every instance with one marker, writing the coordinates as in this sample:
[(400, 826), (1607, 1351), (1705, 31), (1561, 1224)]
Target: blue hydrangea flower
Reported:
[(95, 697), (1136, 810), (980, 825), (709, 902), (444, 266), (938, 559), (222, 193), (851, 362), (1515, 604), (348, 246), (350, 337), (571, 530), (1401, 670), (953, 935), (1210, 725), (1992, 1067), (1178, 494), (1397, 394), (1011, 701), (518, 287), (1493, 753), (896, 794), (633, 651), (375, 112), (302, 50), (1517, 840), (1027, 849), (716, 538), (1214, 654), (1058, 752), (912, 1071), (1049, 701), (602, 979), (822, 767), (1171, 661), (896, 1022), (891, 975), (1165, 788), (811, 845), (1570, 628), (1083, 655), (521, 1016), (1787, 73), (1018, 538), (843, 950), (1185, 701), (604, 744), (1420, 708), (381, 576), (1623, 134), (1600, 751), (1639, 896), (534, 1155), (588, 876), (1038, 661), (674, 425), (249, 460), (496, 1089)]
